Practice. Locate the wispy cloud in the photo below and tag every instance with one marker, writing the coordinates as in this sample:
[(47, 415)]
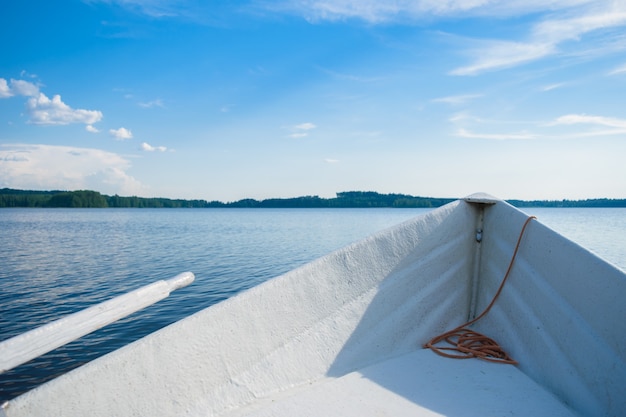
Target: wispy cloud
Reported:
[(350, 77), (196, 11), (599, 125), (564, 21), (331, 161), (91, 129), (465, 117), (301, 130), (375, 11), (551, 87), (65, 168), (615, 71), (153, 8), (587, 126), (305, 126), (604, 15), (149, 148), (24, 73), (497, 55), (121, 134), (589, 119), (457, 100), (496, 136), (153, 103), (545, 38)]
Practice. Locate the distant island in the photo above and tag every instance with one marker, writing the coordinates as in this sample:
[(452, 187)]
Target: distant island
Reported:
[(348, 199)]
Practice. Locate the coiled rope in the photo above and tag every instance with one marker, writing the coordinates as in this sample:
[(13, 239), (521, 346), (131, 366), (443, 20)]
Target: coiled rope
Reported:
[(469, 343)]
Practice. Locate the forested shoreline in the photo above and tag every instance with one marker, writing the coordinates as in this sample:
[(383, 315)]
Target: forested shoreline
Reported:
[(349, 199)]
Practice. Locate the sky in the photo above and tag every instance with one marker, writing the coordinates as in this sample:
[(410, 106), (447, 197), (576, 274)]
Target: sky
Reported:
[(231, 99)]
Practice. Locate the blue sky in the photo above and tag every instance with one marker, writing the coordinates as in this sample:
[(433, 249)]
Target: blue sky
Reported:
[(224, 100)]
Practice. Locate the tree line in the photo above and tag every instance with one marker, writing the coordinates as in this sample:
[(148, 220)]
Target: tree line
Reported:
[(590, 203), (88, 199), (348, 199)]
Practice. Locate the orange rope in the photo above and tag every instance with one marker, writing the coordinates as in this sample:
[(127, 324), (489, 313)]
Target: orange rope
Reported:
[(471, 344)]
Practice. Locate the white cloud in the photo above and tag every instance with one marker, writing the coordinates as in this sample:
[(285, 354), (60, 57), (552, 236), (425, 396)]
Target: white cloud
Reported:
[(563, 21), (464, 116), (305, 126), (616, 71), (457, 100), (496, 55), (331, 161), (65, 168), (17, 88), (24, 88), (121, 134), (376, 11), (301, 130), (350, 77), (152, 8), (149, 148), (24, 73), (298, 135), (154, 103), (5, 91), (90, 128), (615, 126), (547, 37), (43, 111), (551, 87), (197, 11), (496, 136), (595, 126), (584, 118), (572, 27)]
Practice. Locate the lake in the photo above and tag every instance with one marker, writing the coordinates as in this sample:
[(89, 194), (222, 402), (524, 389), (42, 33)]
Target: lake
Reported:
[(58, 261)]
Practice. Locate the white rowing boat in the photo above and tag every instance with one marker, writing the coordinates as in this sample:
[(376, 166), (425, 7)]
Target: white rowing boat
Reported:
[(345, 335)]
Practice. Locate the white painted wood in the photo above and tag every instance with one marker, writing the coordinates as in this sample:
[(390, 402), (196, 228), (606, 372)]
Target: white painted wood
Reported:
[(372, 300), (20, 349), (482, 198), (561, 315), (418, 384)]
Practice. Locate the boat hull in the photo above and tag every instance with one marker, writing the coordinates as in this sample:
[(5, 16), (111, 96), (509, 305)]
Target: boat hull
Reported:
[(560, 316)]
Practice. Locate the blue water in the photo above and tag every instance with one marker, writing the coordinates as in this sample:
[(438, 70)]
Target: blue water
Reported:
[(600, 230), (58, 261)]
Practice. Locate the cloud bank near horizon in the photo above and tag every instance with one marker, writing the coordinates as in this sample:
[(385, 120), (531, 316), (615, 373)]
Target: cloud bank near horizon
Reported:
[(48, 167)]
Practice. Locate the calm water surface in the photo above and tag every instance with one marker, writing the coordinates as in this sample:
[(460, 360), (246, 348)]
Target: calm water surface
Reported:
[(600, 230), (58, 261)]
